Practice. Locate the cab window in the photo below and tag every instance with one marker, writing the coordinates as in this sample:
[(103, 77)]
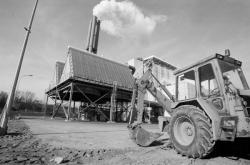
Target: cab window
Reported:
[(208, 83), (186, 86)]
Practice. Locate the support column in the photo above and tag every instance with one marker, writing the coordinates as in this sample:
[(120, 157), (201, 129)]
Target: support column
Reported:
[(78, 112), (122, 111), (127, 111), (125, 106), (54, 108), (116, 113), (70, 100), (111, 108), (65, 113), (113, 102), (74, 109)]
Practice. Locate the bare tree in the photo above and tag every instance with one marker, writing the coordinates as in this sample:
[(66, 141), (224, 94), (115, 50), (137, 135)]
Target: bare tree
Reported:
[(28, 96)]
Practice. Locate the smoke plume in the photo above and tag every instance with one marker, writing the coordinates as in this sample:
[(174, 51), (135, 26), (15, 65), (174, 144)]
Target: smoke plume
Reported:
[(124, 19)]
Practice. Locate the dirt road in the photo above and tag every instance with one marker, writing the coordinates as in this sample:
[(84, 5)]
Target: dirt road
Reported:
[(96, 143), (81, 135)]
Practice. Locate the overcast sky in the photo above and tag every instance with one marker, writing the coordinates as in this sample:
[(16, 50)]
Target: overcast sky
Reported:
[(194, 29)]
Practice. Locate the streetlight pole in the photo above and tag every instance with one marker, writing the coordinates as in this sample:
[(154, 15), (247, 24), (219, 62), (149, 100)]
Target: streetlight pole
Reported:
[(8, 105)]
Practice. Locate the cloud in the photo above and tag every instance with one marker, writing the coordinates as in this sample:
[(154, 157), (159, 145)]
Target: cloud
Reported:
[(125, 20)]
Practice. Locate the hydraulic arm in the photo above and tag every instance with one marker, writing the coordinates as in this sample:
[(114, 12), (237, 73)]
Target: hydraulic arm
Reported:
[(147, 82)]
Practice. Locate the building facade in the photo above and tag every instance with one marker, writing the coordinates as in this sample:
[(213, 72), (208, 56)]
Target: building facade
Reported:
[(163, 72)]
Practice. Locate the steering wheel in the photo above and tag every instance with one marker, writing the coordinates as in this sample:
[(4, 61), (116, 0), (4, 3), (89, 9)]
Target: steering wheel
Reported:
[(215, 92)]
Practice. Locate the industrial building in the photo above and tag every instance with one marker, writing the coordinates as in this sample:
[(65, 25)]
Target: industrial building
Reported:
[(163, 72), (91, 87)]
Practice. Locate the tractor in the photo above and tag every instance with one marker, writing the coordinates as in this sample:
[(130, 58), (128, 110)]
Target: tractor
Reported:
[(211, 104)]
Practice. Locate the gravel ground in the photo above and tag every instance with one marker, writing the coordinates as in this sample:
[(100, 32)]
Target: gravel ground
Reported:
[(22, 146)]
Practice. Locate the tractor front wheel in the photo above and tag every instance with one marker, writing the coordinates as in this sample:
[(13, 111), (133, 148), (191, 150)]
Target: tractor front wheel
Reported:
[(190, 132)]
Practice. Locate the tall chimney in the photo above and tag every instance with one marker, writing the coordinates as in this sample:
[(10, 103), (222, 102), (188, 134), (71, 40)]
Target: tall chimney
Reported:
[(89, 34), (96, 36), (93, 35)]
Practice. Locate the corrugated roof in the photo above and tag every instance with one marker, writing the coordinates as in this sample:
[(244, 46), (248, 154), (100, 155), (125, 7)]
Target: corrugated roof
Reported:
[(87, 66)]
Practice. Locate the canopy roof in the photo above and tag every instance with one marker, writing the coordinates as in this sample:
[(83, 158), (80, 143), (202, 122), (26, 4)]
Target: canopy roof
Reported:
[(93, 72)]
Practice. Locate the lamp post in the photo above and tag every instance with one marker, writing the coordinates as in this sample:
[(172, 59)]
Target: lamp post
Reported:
[(9, 103)]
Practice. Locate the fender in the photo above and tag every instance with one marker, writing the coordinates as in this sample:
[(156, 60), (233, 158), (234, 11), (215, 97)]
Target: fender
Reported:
[(214, 117), (211, 112)]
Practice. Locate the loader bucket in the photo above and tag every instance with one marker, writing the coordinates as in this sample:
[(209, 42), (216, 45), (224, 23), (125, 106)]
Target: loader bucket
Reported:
[(142, 137)]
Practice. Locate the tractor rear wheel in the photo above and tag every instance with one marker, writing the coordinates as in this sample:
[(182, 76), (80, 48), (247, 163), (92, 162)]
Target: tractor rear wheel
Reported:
[(190, 131)]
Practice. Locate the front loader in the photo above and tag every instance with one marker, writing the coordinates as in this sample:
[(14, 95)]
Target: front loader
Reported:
[(211, 103)]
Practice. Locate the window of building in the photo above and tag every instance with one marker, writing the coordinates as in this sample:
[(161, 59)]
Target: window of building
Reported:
[(163, 72), (156, 68), (168, 75)]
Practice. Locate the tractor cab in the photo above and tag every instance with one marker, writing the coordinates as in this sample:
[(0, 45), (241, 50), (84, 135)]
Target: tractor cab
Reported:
[(218, 86)]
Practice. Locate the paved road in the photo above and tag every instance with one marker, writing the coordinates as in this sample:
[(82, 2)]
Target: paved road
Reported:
[(83, 135)]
